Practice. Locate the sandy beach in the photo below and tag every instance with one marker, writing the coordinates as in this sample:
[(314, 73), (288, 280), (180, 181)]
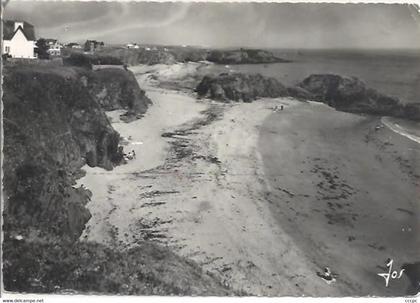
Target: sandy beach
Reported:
[(264, 200)]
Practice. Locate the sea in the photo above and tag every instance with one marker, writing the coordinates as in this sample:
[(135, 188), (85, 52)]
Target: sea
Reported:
[(392, 72)]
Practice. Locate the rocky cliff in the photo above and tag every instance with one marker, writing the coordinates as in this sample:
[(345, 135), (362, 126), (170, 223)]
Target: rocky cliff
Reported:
[(343, 93), (171, 55), (140, 56), (228, 87), (53, 124), (352, 95), (116, 88), (243, 56)]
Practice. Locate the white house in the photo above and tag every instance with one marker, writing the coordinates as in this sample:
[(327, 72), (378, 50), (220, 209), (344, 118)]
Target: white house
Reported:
[(54, 50), (54, 47), (19, 39), (132, 45), (74, 45)]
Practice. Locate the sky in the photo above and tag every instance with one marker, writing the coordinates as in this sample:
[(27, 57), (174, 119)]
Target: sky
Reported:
[(263, 25)]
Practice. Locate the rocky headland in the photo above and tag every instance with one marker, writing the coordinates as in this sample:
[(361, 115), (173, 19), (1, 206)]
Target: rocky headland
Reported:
[(54, 123), (228, 87), (243, 56), (352, 95), (115, 88), (348, 94), (171, 55)]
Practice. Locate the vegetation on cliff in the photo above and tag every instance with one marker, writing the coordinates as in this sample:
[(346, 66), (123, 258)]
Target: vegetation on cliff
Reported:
[(173, 54), (52, 126), (240, 87), (140, 56), (62, 267), (117, 89), (243, 56), (88, 60), (54, 123)]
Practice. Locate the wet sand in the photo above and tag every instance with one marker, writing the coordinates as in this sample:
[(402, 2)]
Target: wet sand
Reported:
[(346, 193)]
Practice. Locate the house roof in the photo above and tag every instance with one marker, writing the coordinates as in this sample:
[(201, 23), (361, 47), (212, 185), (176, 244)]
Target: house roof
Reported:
[(9, 30), (50, 40)]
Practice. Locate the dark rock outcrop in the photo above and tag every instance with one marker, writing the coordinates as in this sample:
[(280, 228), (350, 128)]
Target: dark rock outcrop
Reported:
[(352, 95), (112, 87), (343, 93), (116, 88), (348, 94), (240, 87), (299, 93)]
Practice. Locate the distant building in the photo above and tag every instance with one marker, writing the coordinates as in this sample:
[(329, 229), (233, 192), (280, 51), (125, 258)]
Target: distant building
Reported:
[(132, 45), (74, 45), (19, 39), (93, 45), (54, 47), (50, 42)]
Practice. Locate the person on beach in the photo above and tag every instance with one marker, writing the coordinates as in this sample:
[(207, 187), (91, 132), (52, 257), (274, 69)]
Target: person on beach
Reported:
[(130, 156), (134, 154), (326, 276), (281, 107)]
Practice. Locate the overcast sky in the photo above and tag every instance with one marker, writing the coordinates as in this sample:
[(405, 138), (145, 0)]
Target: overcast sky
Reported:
[(278, 25)]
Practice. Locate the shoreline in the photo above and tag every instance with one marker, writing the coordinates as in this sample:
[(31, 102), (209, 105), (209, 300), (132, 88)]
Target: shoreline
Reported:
[(204, 200), (203, 189)]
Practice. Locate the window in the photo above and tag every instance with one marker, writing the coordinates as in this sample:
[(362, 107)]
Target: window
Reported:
[(7, 49)]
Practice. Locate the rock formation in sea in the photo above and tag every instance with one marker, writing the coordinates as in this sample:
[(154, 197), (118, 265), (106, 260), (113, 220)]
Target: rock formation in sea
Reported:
[(228, 87), (352, 95), (343, 93)]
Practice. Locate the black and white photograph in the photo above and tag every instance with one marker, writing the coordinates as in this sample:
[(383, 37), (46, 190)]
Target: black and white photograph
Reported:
[(226, 149)]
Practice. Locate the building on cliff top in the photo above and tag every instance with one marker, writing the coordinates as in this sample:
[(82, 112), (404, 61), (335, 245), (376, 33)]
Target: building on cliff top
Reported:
[(19, 39)]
